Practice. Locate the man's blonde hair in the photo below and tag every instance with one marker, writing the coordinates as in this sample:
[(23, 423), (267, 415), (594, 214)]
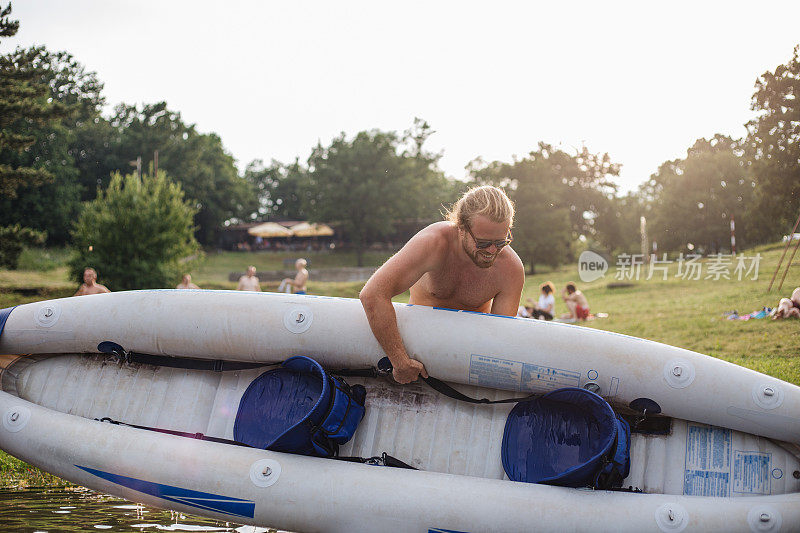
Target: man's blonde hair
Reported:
[(486, 200)]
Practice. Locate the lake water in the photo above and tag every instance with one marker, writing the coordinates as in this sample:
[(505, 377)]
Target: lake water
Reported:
[(56, 509)]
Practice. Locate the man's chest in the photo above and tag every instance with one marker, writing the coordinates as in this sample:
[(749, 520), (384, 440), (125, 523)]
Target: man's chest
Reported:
[(460, 289)]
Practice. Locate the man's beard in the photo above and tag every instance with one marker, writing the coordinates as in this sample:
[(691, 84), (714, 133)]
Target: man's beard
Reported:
[(478, 259)]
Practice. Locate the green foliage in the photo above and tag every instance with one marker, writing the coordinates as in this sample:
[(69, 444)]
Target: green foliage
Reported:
[(199, 162), (51, 205), (280, 189), (365, 185), (558, 197), (692, 200), (773, 146), (138, 233), (40, 259), (24, 104), (12, 241)]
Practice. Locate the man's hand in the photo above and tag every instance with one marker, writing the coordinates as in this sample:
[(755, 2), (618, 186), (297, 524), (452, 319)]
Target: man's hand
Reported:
[(409, 371)]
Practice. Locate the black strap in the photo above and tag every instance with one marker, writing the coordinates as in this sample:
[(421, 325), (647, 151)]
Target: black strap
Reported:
[(385, 366), (384, 459), (198, 436), (217, 365)]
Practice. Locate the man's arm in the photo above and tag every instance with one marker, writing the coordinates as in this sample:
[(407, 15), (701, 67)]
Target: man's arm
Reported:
[(396, 276), (506, 302), (81, 290), (240, 287)]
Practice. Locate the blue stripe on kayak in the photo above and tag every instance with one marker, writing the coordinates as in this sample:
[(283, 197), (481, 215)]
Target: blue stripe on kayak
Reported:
[(4, 316), (440, 530), (192, 498)]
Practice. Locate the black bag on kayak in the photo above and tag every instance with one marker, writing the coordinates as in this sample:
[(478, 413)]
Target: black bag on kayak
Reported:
[(299, 408), (569, 437)]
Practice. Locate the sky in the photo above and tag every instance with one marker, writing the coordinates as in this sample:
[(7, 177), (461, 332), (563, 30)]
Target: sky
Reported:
[(638, 80)]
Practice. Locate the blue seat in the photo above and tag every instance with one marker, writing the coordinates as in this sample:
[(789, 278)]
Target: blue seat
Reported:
[(565, 437)]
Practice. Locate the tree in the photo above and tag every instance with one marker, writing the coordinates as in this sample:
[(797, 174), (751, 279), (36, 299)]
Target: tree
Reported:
[(199, 162), (54, 205), (23, 104), (138, 233), (558, 197), (280, 189), (692, 200), (773, 146), (365, 185)]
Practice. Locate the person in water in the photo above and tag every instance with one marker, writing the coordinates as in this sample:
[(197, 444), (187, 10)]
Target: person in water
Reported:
[(300, 280), (186, 283), (90, 285), (788, 307), (464, 262), (249, 282)]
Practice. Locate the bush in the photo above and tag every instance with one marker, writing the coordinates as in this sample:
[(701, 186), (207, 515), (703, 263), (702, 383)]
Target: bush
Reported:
[(13, 239), (43, 259), (138, 233)]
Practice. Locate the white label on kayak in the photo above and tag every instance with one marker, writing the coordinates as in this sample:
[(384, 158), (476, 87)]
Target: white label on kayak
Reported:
[(515, 375), (751, 471), (708, 461)]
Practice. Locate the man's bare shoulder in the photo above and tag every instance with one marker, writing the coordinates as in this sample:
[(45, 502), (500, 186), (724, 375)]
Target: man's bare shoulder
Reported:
[(438, 235), (509, 261)]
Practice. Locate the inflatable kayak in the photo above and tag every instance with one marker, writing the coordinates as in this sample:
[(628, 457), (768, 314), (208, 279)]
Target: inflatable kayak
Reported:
[(712, 465)]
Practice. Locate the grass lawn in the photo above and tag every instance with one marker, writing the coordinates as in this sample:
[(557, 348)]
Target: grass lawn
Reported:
[(680, 312)]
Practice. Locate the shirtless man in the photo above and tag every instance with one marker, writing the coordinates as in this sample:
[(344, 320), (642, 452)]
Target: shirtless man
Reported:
[(90, 285), (186, 283), (462, 263), (576, 302), (299, 282), (249, 282)]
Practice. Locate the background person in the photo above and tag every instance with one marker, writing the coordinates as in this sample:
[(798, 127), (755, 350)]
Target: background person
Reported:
[(462, 263), (299, 282), (90, 285), (576, 302), (545, 308), (186, 283), (788, 307), (249, 282)]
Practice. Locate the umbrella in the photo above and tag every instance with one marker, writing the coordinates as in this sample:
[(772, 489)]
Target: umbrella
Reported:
[(304, 229), (270, 229)]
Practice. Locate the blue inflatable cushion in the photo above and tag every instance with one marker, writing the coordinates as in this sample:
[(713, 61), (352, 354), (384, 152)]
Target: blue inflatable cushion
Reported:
[(561, 438), (299, 408)]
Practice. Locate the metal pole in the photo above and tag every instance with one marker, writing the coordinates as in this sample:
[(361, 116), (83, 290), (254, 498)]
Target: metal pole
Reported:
[(788, 242), (643, 232), (789, 264), (155, 163)]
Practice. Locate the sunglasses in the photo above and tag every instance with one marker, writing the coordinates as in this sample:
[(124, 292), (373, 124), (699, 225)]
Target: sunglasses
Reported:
[(482, 244)]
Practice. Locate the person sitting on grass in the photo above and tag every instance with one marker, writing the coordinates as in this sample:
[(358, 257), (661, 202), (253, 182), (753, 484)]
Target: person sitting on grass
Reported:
[(545, 308), (576, 302), (788, 307), (90, 285), (186, 283)]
